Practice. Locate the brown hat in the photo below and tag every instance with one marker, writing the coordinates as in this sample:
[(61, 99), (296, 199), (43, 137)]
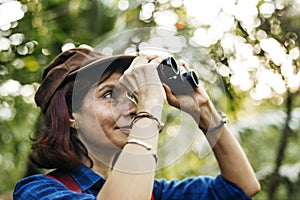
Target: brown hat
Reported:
[(67, 64)]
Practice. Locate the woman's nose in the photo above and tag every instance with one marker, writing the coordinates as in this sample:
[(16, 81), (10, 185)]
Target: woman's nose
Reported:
[(129, 107)]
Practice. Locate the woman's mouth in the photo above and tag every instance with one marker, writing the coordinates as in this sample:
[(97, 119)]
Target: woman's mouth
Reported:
[(125, 129)]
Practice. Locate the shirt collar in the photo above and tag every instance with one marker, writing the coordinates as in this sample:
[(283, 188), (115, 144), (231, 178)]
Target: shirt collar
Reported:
[(87, 178)]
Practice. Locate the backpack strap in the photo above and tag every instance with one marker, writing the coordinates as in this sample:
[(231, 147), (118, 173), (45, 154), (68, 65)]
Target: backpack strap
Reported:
[(68, 181), (65, 179)]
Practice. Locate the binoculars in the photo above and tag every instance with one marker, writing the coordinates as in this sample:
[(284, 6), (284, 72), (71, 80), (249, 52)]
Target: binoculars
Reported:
[(180, 82)]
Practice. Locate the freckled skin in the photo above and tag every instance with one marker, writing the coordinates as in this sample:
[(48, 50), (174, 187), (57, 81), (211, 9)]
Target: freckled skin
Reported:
[(104, 117)]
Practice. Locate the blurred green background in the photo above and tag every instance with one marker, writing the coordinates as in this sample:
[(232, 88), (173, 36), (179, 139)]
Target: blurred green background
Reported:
[(250, 50)]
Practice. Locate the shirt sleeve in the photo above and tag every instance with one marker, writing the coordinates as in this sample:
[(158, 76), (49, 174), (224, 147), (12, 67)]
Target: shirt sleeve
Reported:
[(200, 188), (40, 187)]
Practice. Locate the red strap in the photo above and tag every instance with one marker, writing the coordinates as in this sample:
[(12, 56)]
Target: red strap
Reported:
[(65, 179), (68, 181)]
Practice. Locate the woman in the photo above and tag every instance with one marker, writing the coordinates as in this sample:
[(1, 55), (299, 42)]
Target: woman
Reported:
[(101, 126)]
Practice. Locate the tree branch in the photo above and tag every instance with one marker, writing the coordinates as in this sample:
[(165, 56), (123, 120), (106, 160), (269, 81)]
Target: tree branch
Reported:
[(275, 177)]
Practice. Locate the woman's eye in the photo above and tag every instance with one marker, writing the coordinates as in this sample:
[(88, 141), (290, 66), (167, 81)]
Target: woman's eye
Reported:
[(131, 98), (108, 95)]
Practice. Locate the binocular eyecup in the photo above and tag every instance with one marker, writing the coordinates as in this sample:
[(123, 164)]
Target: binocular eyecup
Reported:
[(181, 83)]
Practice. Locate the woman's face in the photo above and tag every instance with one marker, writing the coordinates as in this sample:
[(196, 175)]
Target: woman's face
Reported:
[(104, 118)]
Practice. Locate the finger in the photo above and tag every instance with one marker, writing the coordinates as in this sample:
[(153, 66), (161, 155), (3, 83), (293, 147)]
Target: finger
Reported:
[(151, 57), (156, 61), (183, 64), (139, 60), (171, 98), (167, 89)]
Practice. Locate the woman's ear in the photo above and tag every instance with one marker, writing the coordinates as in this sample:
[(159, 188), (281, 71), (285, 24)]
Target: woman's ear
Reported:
[(73, 123)]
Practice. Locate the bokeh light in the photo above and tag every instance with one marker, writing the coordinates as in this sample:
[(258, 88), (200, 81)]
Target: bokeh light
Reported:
[(10, 11)]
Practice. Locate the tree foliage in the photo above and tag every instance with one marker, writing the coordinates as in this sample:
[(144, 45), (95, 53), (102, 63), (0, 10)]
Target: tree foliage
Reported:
[(264, 113)]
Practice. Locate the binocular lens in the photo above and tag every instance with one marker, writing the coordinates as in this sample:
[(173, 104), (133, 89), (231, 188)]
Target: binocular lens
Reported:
[(192, 78), (180, 83), (172, 63), (169, 67)]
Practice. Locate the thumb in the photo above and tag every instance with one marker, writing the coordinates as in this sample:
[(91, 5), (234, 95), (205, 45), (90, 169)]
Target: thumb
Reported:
[(171, 98)]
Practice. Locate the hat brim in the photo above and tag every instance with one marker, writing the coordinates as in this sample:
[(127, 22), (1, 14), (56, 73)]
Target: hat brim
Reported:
[(106, 61)]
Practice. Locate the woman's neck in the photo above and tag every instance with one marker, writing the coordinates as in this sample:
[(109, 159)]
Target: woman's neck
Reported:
[(99, 167)]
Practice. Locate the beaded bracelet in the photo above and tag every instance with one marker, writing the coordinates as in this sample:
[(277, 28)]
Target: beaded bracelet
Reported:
[(143, 114), (222, 123)]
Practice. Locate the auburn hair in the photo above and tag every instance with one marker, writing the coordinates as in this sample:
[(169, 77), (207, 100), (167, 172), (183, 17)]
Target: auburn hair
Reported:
[(59, 145)]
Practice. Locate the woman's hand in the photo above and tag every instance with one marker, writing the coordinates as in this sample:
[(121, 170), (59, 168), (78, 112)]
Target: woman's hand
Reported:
[(191, 103), (134, 171), (232, 161), (143, 82)]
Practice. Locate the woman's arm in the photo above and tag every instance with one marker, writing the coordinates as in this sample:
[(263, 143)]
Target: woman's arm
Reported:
[(232, 160), (133, 174)]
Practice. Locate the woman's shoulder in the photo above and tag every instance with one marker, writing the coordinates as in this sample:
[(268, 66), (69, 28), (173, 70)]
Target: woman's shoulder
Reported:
[(49, 187), (32, 180), (42, 187), (32, 186)]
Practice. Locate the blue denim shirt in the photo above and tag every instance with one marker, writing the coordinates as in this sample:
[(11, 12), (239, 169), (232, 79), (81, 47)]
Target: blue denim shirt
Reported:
[(41, 187)]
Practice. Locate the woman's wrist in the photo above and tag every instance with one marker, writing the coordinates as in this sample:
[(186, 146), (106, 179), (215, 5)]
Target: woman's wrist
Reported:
[(209, 117), (152, 107)]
